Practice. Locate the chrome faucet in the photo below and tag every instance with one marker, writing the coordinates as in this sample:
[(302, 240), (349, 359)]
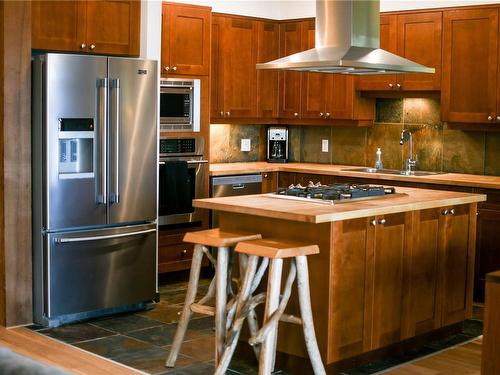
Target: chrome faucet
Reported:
[(411, 162)]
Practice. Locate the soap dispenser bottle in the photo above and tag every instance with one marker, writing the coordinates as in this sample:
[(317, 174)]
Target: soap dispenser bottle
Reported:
[(378, 159)]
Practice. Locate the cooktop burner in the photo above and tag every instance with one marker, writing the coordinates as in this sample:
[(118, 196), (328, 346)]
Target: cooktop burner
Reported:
[(335, 191)]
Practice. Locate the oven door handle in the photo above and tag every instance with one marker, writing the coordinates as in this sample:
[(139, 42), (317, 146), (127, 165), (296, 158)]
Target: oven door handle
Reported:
[(189, 162)]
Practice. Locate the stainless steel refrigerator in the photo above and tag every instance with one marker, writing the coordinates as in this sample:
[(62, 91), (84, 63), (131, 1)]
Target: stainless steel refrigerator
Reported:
[(94, 143)]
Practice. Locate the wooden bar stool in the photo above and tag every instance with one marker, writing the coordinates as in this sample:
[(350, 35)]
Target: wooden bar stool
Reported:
[(274, 251), (218, 288)]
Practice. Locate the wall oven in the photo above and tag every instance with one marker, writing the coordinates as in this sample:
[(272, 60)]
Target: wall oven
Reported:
[(182, 176), (179, 104)]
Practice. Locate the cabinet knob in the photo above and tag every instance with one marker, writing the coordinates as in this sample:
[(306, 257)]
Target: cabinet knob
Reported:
[(167, 68), (228, 114), (452, 211), (221, 114), (92, 46), (83, 45), (265, 175), (174, 68), (296, 114), (444, 212), (498, 118), (398, 85), (373, 222), (184, 251), (391, 85), (382, 221), (321, 114), (490, 118), (327, 114)]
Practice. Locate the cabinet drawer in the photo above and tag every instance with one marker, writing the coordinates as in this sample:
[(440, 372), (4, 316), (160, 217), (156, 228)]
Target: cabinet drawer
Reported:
[(175, 253)]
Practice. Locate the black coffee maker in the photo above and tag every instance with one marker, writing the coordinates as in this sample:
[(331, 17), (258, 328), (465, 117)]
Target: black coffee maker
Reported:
[(277, 144)]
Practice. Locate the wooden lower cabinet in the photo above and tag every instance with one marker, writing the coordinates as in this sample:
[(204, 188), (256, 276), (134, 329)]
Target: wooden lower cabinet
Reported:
[(398, 276), (173, 253), (269, 182)]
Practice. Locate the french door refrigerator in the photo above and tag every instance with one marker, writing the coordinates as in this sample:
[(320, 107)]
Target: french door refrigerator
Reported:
[(94, 143)]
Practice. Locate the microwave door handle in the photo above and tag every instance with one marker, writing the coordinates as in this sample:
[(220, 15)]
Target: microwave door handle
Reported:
[(115, 195), (102, 88)]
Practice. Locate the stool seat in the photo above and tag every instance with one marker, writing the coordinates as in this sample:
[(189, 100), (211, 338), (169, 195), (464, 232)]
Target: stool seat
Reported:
[(217, 238), (276, 249)]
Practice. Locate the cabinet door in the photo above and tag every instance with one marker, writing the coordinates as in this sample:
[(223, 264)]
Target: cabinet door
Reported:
[(267, 80), (113, 27), (456, 260), (388, 42), (290, 42), (216, 72), (314, 86), (187, 48), (58, 25), (341, 97), (239, 41), (425, 308), (419, 39), (487, 249), (470, 61), (352, 285), (389, 278), (269, 182)]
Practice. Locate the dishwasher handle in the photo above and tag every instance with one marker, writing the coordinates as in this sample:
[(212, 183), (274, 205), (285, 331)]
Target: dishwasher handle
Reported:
[(238, 186)]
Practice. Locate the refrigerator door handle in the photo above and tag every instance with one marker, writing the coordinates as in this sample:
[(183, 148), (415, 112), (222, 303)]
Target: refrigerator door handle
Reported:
[(106, 237), (114, 86), (102, 87)]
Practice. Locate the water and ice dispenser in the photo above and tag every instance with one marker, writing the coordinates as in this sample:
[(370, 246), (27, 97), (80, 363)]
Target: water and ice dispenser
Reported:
[(76, 148)]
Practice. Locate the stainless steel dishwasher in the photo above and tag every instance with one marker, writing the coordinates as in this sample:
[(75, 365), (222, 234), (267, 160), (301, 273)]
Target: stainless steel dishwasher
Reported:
[(227, 186)]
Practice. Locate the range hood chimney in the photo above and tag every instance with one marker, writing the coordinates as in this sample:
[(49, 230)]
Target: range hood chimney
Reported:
[(347, 42)]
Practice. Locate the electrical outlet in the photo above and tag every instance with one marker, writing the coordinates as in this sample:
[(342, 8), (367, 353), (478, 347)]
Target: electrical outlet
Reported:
[(246, 144), (324, 145)]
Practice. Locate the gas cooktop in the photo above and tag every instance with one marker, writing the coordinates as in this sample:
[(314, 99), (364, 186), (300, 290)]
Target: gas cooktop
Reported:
[(333, 192)]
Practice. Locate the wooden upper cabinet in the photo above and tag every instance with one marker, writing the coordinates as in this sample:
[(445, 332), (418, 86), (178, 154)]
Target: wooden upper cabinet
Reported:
[(58, 25), (388, 42), (291, 41), (216, 72), (469, 90), (185, 39), (113, 27), (103, 26), (238, 58), (267, 80), (315, 87), (419, 39)]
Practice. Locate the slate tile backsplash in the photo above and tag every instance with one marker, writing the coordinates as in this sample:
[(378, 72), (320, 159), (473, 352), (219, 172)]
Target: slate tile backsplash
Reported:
[(438, 148)]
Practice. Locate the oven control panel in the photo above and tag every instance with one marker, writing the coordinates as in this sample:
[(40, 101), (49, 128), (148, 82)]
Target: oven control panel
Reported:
[(178, 146)]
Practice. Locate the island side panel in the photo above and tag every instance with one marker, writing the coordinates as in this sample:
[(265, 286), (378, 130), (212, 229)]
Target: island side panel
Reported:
[(290, 336)]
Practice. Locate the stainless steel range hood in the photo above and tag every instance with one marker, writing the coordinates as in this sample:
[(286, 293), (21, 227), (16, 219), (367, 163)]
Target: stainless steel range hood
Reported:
[(347, 42)]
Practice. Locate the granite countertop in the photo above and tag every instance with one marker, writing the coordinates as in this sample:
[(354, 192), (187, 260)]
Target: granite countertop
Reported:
[(407, 199), (456, 179)]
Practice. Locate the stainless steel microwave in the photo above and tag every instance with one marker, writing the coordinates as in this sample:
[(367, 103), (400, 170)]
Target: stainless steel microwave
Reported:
[(179, 104)]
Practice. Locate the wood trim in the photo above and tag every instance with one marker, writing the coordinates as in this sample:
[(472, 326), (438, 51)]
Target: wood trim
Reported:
[(471, 258), (15, 247)]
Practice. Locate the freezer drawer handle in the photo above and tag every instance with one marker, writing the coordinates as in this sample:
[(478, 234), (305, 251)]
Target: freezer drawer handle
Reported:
[(238, 186), (97, 238)]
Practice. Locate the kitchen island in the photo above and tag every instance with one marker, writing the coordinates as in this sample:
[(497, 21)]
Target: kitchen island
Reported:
[(389, 268)]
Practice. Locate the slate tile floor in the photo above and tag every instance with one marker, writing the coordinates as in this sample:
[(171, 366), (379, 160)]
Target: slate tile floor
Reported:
[(142, 340)]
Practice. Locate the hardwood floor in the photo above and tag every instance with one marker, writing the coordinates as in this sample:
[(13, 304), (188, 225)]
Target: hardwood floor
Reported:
[(54, 353), (461, 360)]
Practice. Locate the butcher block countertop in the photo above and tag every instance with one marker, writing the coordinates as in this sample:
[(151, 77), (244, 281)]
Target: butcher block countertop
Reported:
[(456, 179), (406, 199)]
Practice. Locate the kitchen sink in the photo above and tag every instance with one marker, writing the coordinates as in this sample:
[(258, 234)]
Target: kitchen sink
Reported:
[(392, 171)]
